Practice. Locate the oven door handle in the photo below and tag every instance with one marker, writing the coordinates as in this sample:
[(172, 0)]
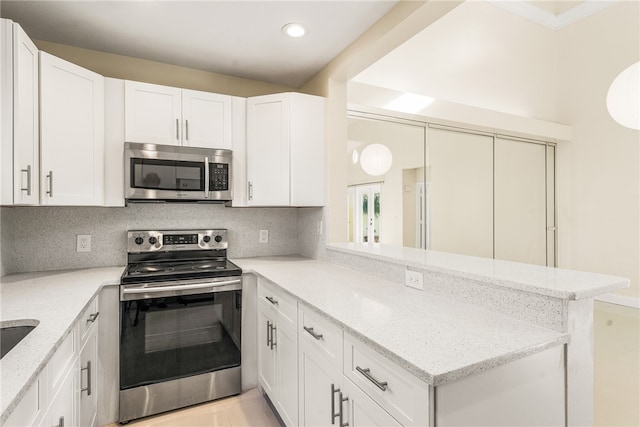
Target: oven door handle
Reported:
[(184, 287)]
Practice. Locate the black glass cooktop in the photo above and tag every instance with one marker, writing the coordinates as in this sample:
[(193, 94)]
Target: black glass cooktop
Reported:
[(160, 271)]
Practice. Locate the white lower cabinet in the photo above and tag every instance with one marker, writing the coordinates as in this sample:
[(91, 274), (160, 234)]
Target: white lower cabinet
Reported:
[(277, 354), (65, 392), (360, 410)]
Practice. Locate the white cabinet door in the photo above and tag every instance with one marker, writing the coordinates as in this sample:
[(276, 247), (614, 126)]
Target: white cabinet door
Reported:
[(360, 410), (266, 354), (72, 133), (318, 378), (152, 113), (19, 145), (88, 376), (268, 150), (26, 137), (206, 119), (63, 408), (286, 344), (286, 150)]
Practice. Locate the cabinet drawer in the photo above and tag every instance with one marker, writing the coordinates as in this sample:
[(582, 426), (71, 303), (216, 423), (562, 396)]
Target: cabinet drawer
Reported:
[(283, 303), (321, 334), (87, 320), (400, 393)]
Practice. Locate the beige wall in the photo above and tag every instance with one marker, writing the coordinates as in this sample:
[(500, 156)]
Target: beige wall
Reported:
[(599, 170), (129, 68)]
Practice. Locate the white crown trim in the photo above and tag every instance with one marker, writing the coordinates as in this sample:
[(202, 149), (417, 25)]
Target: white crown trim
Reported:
[(548, 19)]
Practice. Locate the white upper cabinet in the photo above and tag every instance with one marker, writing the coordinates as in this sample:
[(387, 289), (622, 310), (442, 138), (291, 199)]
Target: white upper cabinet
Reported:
[(166, 115), (285, 150), (20, 124), (72, 133)]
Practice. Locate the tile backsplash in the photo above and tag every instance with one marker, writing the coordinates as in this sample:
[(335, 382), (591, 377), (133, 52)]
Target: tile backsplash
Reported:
[(44, 238)]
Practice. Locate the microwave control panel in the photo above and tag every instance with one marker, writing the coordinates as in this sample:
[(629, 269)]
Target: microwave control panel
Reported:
[(219, 177)]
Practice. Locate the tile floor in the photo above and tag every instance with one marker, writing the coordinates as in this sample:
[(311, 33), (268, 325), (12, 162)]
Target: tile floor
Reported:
[(247, 409)]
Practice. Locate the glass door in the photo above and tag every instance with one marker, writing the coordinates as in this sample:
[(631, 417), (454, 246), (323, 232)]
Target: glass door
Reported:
[(366, 211), (174, 337)]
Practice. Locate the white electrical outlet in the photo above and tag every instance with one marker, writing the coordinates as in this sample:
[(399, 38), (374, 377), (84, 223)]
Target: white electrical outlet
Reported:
[(264, 236), (83, 243), (414, 279), (319, 228)]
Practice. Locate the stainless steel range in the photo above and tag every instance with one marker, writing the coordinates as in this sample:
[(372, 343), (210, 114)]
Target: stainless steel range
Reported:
[(180, 321)]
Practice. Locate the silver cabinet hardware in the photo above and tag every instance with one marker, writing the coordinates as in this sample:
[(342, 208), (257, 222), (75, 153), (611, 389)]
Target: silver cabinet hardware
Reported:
[(177, 129), (50, 179), (340, 413), (92, 317), (272, 301), (250, 191), (381, 385), (88, 369), (186, 128), (206, 177), (313, 333), (60, 422), (273, 341), (269, 337), (342, 400), (28, 172)]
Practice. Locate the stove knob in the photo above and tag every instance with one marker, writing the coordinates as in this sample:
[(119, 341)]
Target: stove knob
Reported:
[(218, 239), (206, 239), (152, 240), (139, 240)]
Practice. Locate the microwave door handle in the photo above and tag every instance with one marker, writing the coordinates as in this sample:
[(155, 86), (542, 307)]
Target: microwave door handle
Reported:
[(206, 177)]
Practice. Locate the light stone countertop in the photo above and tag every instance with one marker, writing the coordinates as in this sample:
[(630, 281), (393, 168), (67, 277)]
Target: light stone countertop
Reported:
[(547, 281), (55, 299), (435, 338)]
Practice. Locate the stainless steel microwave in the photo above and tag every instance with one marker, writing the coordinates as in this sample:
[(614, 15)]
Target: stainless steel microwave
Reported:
[(177, 174)]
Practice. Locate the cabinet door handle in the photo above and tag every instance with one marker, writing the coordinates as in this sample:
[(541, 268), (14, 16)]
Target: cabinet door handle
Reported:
[(269, 334), (28, 172), (250, 191), (60, 422), (313, 333), (366, 372), (186, 129), (334, 390), (88, 369), (177, 130), (92, 317), (272, 301), (273, 341), (50, 178), (340, 418)]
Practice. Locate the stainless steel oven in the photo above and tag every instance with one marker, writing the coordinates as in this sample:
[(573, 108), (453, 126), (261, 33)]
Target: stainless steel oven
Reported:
[(175, 173), (180, 322)]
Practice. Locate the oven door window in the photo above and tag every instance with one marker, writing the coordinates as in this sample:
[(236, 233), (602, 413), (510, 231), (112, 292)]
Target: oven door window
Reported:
[(171, 175), (163, 339)]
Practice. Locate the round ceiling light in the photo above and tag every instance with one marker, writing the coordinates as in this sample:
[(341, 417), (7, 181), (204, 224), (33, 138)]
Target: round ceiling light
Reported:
[(623, 98), (376, 159), (294, 30)]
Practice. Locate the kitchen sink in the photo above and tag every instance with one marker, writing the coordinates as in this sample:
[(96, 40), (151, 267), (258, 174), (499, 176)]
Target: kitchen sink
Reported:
[(10, 336)]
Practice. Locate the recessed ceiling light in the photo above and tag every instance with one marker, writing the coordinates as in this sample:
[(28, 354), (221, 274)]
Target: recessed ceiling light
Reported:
[(294, 30)]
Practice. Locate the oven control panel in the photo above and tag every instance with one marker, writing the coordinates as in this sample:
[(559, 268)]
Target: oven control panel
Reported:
[(176, 240)]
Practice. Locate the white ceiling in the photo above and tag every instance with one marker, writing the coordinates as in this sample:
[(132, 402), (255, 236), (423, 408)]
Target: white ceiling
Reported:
[(239, 38)]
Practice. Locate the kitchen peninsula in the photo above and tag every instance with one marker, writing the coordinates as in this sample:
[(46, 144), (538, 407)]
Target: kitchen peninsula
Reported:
[(476, 321)]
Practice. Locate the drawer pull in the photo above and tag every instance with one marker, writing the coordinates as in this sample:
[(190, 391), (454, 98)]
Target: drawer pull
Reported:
[(92, 317), (312, 333), (272, 301), (381, 385)]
